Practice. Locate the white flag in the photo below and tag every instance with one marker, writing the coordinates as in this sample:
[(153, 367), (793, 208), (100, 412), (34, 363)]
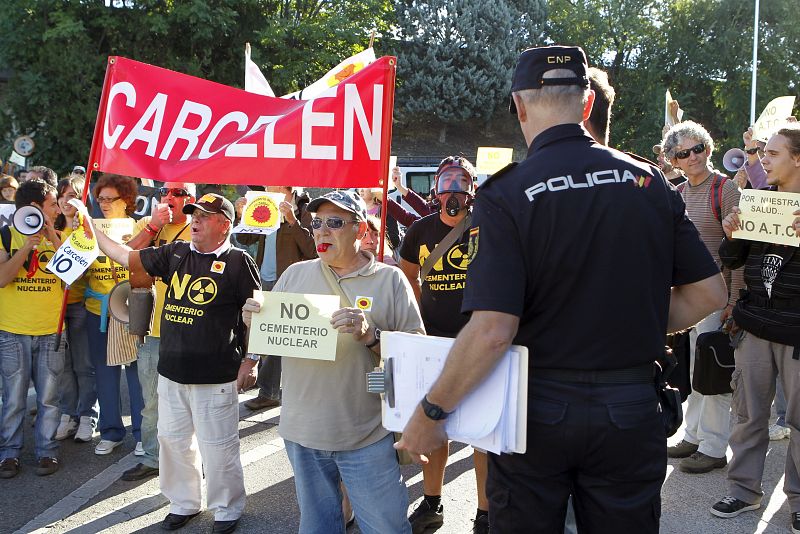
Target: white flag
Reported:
[(254, 81)]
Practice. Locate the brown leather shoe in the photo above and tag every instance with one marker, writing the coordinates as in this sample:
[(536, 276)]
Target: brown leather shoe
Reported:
[(9, 468), (46, 466), (259, 403), (684, 449), (139, 472), (701, 463)]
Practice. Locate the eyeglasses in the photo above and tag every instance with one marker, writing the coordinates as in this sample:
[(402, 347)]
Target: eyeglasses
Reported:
[(697, 149), (334, 223), (755, 150), (176, 191), (107, 200)]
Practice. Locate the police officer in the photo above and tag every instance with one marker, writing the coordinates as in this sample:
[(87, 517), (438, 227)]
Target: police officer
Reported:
[(584, 255)]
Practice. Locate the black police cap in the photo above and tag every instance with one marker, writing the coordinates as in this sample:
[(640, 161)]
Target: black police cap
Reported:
[(533, 63)]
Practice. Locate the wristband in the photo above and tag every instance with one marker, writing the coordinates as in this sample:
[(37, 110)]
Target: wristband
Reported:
[(150, 230)]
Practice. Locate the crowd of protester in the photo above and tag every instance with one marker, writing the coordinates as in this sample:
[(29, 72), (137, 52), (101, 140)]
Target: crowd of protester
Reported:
[(345, 464)]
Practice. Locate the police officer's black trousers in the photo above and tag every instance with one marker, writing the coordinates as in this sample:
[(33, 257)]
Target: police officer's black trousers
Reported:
[(605, 444)]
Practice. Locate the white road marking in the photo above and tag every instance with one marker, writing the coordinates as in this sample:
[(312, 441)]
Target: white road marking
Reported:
[(140, 504)]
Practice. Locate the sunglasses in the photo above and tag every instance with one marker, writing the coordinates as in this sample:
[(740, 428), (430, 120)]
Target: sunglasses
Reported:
[(755, 150), (107, 200), (334, 223), (176, 191), (697, 149)]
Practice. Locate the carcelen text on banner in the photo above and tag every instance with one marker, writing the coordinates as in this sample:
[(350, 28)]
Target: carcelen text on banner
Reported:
[(154, 122)]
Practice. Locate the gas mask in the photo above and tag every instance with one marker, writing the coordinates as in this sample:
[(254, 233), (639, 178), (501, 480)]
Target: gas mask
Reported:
[(454, 189)]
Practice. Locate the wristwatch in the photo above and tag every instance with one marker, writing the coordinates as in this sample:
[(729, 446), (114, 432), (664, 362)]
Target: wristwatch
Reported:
[(251, 356), (377, 338), (433, 411)]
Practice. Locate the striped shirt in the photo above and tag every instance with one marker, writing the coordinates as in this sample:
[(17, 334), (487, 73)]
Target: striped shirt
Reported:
[(699, 208)]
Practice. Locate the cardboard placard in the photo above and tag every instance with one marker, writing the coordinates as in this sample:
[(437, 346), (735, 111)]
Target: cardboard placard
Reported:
[(491, 159), (295, 325), (768, 216)]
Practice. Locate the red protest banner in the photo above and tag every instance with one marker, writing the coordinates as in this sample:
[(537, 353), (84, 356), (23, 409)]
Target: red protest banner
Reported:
[(159, 124)]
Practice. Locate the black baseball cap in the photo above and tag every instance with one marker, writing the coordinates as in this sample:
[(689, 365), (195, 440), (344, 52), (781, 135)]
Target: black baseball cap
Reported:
[(534, 62), (212, 203), (344, 199)]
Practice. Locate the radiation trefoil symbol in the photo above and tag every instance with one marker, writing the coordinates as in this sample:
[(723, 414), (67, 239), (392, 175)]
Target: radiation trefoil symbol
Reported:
[(458, 258), (202, 291)]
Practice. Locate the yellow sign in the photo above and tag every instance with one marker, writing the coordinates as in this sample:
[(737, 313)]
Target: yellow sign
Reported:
[(294, 325), (118, 230), (492, 159), (767, 216), (261, 214), (773, 118)]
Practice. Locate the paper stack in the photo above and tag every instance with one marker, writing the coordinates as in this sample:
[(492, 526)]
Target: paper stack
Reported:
[(492, 417)]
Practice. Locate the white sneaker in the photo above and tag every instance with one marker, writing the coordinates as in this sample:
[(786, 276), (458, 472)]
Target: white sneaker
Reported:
[(85, 430), (66, 428), (778, 432), (139, 450), (106, 446)]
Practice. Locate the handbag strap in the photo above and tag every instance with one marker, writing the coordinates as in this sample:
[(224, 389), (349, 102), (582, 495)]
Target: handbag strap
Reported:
[(337, 288), (443, 246)]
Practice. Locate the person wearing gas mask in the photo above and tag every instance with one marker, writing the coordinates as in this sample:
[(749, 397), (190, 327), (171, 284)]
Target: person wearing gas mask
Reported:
[(434, 257)]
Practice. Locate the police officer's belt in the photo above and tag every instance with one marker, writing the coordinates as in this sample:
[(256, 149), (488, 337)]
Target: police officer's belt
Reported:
[(641, 374), (774, 303)]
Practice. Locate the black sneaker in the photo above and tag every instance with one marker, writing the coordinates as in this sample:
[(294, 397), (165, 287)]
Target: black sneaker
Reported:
[(481, 525), (796, 522), (731, 507), (425, 519)]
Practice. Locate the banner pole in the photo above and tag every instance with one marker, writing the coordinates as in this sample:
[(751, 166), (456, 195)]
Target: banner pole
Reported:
[(90, 168), (755, 66)]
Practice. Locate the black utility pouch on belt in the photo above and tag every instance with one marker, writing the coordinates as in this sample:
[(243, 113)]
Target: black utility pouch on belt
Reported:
[(669, 397), (713, 363)]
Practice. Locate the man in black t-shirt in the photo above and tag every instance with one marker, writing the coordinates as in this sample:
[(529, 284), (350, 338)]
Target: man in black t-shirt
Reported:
[(585, 256), (439, 295), (201, 363)]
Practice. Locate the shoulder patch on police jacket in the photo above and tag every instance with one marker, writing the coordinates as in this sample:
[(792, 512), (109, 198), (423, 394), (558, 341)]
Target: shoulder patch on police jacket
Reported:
[(499, 173)]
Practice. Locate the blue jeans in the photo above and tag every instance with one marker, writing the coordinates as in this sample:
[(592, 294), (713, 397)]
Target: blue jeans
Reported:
[(23, 358), (373, 481), (78, 386), (147, 364), (108, 390)]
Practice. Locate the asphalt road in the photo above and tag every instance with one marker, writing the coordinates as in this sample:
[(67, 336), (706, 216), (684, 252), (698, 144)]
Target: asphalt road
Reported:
[(85, 495)]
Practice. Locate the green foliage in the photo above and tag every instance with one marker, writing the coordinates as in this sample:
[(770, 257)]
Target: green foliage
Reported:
[(455, 57), (57, 52), (701, 50)]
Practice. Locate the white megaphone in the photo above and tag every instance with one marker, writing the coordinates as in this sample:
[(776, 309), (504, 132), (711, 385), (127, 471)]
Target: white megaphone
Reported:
[(734, 159), (28, 220)]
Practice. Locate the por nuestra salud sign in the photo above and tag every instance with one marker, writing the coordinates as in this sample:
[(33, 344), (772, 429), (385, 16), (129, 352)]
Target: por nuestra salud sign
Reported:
[(768, 216)]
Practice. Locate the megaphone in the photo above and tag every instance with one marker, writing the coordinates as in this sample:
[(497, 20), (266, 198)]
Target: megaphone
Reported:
[(133, 307), (734, 159), (28, 220)]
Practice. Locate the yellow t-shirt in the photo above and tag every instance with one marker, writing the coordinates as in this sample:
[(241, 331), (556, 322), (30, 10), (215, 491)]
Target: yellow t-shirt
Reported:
[(77, 288), (31, 306), (100, 275), (167, 234)]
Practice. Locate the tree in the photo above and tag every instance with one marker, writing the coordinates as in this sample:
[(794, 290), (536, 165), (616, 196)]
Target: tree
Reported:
[(57, 51), (455, 57), (699, 49)]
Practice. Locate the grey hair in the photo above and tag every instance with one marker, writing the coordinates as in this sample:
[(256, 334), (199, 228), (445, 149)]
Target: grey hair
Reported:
[(557, 95), (685, 129)]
